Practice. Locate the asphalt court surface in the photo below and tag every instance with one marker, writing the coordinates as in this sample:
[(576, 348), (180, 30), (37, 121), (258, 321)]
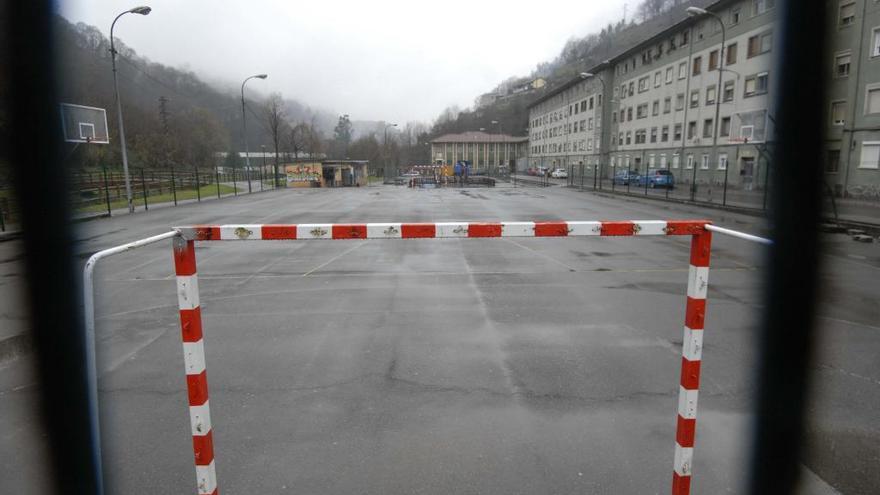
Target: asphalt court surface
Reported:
[(439, 365)]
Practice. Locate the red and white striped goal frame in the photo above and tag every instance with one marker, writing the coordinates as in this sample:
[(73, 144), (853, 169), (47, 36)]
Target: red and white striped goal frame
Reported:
[(191, 321)]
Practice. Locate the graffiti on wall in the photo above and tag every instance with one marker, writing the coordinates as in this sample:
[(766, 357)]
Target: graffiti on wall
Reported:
[(303, 172)]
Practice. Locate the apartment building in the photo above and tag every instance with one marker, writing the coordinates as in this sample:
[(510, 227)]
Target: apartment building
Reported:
[(852, 165), (679, 102), (565, 126)]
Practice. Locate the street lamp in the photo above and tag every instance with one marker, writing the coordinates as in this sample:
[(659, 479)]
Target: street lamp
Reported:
[(247, 158), (142, 10), (385, 149), (607, 100), (500, 142), (697, 12)]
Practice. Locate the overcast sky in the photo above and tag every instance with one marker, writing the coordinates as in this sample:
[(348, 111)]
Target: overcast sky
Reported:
[(395, 60)]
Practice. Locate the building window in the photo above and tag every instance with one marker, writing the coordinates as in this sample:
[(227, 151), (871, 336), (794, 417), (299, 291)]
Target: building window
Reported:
[(682, 70), (653, 134), (670, 74), (761, 6), (698, 66), (629, 114), (728, 94), (747, 133), (711, 95), (759, 44), (722, 161), (842, 63), (872, 102), (655, 108), (707, 128), (589, 124), (632, 87), (695, 98), (679, 102), (642, 111), (651, 161), (725, 127), (847, 13), (690, 162), (667, 104), (731, 54), (685, 37), (875, 48), (643, 84), (676, 161), (713, 60), (620, 138), (677, 133), (641, 136), (692, 129), (870, 155), (756, 85), (832, 165), (591, 103), (664, 134), (734, 16), (628, 137), (838, 113), (704, 162), (658, 79)]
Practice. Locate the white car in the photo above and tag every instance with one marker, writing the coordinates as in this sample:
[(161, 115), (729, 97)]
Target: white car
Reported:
[(559, 173)]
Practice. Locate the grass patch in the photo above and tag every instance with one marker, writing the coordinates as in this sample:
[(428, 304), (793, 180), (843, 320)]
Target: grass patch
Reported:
[(138, 199)]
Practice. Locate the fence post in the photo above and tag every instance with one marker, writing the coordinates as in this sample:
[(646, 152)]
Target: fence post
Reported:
[(261, 179), (217, 179), (198, 187), (234, 183), (247, 173), (106, 189), (692, 352), (173, 186), (144, 189)]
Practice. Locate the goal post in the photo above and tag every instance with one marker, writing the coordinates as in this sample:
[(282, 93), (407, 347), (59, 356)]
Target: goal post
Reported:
[(191, 320)]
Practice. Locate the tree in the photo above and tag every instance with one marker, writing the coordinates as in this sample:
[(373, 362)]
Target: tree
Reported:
[(277, 124), (342, 135)]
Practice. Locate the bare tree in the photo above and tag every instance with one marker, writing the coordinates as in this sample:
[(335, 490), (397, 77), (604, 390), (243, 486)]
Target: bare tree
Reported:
[(277, 124)]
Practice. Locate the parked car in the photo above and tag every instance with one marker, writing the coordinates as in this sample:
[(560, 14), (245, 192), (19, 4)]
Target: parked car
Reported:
[(559, 173), (543, 172), (532, 171), (659, 178), (625, 177)]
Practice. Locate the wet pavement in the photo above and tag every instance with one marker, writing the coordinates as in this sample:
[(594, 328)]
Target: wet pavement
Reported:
[(449, 365)]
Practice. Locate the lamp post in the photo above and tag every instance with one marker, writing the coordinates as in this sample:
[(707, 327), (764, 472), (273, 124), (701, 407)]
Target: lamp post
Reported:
[(247, 158), (501, 143), (385, 149), (696, 12), (607, 100), (142, 10)]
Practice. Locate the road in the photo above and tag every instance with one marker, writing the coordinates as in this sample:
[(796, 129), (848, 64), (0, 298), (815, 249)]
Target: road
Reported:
[(449, 366)]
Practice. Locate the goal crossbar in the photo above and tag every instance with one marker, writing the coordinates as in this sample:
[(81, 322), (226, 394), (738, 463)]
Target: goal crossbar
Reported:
[(191, 320)]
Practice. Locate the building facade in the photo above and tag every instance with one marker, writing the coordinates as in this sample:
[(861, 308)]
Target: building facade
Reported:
[(678, 101), (484, 151)]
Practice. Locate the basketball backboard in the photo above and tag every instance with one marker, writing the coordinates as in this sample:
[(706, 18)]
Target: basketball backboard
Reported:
[(82, 124)]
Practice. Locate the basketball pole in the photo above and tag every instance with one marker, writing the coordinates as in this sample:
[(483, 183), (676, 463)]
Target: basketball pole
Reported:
[(142, 11)]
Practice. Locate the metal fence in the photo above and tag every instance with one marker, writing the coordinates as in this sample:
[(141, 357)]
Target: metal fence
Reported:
[(696, 185), (102, 191)]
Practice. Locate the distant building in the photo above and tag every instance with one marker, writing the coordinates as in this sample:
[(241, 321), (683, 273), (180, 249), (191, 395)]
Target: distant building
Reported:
[(654, 105), (481, 149)]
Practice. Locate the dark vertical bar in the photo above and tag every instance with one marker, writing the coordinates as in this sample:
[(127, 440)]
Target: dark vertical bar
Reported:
[(198, 186), (106, 190), (793, 261), (595, 175), (173, 186), (766, 182), (217, 179), (144, 190), (2, 219), (69, 412), (234, 184)]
